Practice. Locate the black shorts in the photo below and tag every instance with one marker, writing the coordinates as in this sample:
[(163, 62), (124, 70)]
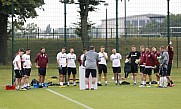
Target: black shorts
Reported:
[(163, 72), (169, 68), (90, 71), (71, 70), (18, 73), (27, 71), (156, 70), (42, 71), (134, 68), (23, 72), (102, 68), (142, 69), (116, 69), (148, 71), (62, 70)]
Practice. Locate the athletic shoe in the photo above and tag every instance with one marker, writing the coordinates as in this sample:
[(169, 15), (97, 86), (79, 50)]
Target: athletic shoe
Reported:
[(134, 84), (75, 85), (142, 85), (62, 86), (92, 88), (106, 84), (168, 85), (116, 83), (86, 88), (164, 86), (23, 89), (160, 87), (120, 84), (40, 86), (148, 85), (67, 84), (172, 85), (27, 88), (99, 84)]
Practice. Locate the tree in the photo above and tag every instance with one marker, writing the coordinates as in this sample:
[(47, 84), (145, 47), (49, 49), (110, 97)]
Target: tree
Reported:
[(78, 28), (85, 6), (174, 22), (151, 27), (22, 11)]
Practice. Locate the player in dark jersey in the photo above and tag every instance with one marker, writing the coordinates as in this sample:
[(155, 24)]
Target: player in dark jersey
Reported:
[(134, 55), (171, 54), (142, 62), (151, 63), (156, 70)]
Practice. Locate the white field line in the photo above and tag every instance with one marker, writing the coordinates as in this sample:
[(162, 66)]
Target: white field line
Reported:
[(76, 102)]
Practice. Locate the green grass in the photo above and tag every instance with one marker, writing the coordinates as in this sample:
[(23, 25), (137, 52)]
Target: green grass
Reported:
[(110, 97)]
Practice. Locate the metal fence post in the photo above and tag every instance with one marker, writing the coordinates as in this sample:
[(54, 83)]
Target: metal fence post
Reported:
[(12, 9)]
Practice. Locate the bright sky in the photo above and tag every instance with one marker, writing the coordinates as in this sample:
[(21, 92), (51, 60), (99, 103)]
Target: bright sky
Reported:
[(54, 11)]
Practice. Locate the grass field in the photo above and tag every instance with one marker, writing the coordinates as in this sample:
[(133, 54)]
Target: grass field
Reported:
[(106, 97)]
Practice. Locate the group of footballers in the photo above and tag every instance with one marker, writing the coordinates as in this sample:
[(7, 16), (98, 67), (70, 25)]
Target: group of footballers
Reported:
[(147, 59)]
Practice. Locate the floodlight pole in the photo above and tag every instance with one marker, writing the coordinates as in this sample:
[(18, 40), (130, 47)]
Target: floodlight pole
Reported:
[(125, 13), (12, 10), (168, 20), (117, 44), (106, 4), (65, 24)]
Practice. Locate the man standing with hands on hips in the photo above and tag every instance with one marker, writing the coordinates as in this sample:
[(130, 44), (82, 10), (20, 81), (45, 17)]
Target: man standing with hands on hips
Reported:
[(41, 62)]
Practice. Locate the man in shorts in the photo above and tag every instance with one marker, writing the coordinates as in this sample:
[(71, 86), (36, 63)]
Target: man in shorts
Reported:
[(171, 55), (41, 62), (142, 62), (151, 62), (156, 70), (163, 67), (91, 58), (134, 55), (27, 67), (71, 58), (18, 69), (102, 65), (116, 65), (62, 65)]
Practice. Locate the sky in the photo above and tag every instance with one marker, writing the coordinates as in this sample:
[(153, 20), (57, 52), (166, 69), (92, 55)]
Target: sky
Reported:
[(54, 11)]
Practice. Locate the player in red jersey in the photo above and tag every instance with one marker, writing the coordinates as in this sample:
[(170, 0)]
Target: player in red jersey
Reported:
[(171, 55), (156, 70)]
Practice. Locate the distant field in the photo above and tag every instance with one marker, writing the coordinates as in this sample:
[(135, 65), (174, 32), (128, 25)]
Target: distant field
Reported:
[(110, 97)]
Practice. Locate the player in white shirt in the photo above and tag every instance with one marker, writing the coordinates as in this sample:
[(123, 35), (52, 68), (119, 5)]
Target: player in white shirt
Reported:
[(116, 65), (71, 58), (102, 65), (17, 68), (62, 65), (82, 57), (26, 68)]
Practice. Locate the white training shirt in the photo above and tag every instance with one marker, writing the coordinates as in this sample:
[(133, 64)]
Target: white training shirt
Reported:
[(81, 58), (71, 58), (102, 58), (62, 59), (17, 59), (27, 62), (115, 58)]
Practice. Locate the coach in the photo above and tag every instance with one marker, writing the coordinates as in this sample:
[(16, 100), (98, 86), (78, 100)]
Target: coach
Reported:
[(91, 58), (41, 62)]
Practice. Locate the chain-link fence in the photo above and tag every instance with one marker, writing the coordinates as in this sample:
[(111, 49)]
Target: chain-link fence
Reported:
[(141, 22)]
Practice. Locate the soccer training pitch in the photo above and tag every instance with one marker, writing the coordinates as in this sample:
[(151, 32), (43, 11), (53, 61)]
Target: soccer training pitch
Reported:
[(106, 97)]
